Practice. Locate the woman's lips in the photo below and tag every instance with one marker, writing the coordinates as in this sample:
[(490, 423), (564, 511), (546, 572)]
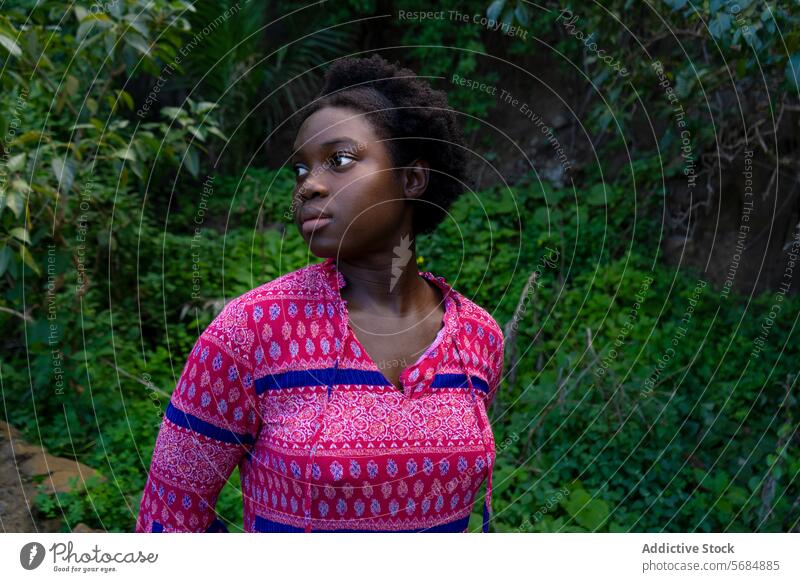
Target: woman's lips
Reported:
[(311, 225)]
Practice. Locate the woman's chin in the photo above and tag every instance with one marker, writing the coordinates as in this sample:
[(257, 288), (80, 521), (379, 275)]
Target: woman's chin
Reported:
[(323, 249)]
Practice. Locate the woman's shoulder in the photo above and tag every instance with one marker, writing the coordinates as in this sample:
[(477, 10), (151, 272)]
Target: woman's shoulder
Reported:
[(249, 320), (308, 282), (478, 321), (242, 317)]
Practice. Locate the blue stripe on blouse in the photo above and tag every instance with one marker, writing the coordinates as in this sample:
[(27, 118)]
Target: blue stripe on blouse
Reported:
[(320, 377), (458, 381), (325, 376), (217, 526), (264, 525), (199, 425)]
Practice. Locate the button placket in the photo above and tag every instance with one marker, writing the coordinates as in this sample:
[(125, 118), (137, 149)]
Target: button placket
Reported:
[(408, 388)]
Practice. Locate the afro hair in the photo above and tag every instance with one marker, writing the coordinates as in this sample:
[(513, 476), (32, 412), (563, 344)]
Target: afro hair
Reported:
[(414, 120)]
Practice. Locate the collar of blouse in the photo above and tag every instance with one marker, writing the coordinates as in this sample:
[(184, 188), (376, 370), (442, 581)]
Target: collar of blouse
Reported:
[(419, 376)]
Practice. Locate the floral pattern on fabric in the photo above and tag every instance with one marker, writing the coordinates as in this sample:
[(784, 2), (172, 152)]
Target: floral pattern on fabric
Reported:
[(279, 385)]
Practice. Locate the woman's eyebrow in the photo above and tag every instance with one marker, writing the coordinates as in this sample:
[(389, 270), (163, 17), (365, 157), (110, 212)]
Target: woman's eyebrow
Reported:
[(330, 142)]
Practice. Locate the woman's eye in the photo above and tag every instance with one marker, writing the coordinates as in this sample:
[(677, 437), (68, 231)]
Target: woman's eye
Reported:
[(299, 169), (338, 156)]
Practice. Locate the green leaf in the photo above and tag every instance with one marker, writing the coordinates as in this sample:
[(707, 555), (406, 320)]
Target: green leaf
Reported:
[(172, 112), (720, 24), (64, 172), (593, 515), (16, 163), (192, 161), (29, 136), (5, 257), (84, 28), (540, 216), (12, 200), (137, 42), (205, 106), (504, 205), (126, 98), (71, 85), (97, 15), (20, 233), (218, 133), (10, 45), (597, 195), (198, 133), (27, 258), (135, 22), (522, 14), (495, 8), (80, 12), (589, 513), (111, 45), (125, 154)]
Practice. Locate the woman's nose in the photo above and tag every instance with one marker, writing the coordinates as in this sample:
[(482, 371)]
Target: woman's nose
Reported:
[(312, 186)]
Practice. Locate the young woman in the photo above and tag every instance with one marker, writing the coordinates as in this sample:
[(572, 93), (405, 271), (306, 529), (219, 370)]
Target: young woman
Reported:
[(352, 393)]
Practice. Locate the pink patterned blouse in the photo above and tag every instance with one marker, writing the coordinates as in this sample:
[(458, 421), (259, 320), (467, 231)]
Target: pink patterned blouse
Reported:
[(279, 384)]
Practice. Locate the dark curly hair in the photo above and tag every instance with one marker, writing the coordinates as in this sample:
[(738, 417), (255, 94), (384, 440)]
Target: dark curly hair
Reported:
[(413, 118)]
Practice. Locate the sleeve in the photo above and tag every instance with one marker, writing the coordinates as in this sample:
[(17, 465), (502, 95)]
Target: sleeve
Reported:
[(496, 362), (210, 423)]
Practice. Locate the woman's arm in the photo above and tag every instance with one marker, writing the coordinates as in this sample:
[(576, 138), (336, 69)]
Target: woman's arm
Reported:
[(211, 421)]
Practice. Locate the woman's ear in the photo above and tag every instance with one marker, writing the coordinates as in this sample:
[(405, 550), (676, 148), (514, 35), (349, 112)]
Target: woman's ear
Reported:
[(415, 178)]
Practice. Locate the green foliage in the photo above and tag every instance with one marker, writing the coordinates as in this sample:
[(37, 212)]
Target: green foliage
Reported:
[(122, 238), (716, 56), (71, 158), (462, 45), (638, 445), (259, 62)]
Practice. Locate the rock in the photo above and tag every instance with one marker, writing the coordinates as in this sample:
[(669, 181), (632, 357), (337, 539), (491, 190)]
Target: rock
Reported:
[(33, 461), (57, 471), (22, 466), (6, 431)]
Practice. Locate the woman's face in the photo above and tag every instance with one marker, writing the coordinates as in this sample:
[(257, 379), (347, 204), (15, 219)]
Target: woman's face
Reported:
[(348, 201)]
